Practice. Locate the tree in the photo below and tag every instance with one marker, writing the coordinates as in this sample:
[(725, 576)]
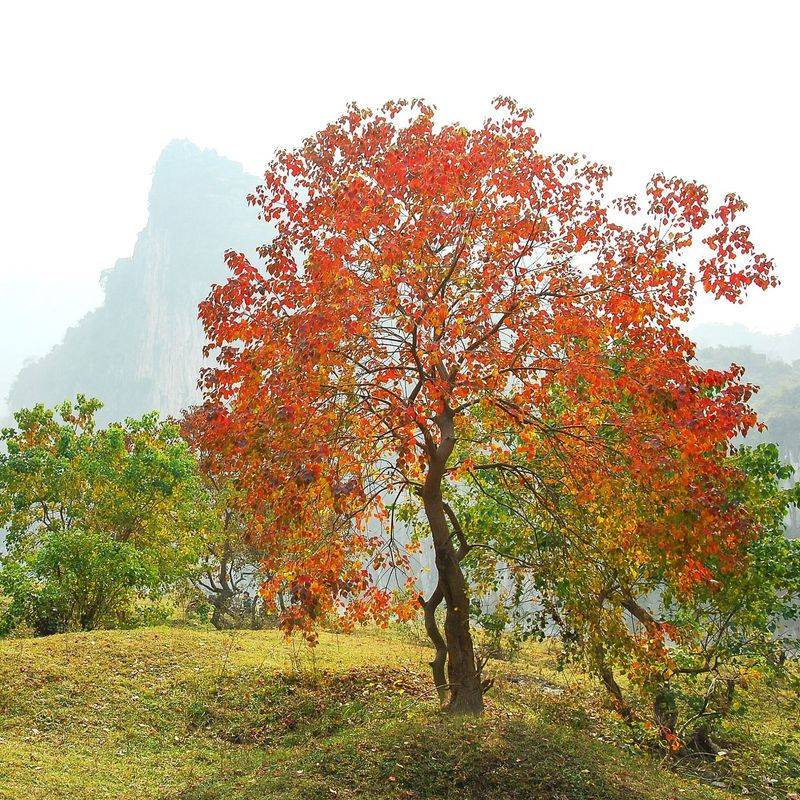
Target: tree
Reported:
[(623, 610), (94, 518), (742, 623), (431, 295), (230, 573), (687, 651)]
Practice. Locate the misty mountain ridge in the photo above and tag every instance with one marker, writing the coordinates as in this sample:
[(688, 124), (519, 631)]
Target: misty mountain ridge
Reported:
[(782, 346), (142, 348)]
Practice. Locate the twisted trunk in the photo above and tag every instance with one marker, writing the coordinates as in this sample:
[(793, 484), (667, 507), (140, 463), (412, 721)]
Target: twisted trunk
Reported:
[(463, 674), (435, 635)]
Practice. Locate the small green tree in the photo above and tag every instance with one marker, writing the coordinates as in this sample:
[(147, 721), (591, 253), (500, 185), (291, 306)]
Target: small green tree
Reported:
[(94, 518), (682, 649), (742, 623)]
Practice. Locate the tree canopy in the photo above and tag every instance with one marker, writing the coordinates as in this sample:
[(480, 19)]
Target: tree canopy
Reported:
[(93, 516)]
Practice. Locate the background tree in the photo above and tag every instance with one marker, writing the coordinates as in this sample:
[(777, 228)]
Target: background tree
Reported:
[(430, 287), (724, 631), (682, 649), (94, 518), (230, 573)]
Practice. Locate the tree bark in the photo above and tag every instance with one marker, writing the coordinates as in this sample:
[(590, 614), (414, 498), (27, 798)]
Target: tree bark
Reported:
[(610, 682), (435, 635), (463, 675)]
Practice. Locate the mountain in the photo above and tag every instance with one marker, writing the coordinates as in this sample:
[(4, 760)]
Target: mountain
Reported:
[(771, 362), (142, 348), (784, 346)]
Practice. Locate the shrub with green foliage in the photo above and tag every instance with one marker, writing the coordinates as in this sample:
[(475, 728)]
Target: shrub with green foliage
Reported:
[(94, 518), (672, 657), (745, 622), (229, 574)]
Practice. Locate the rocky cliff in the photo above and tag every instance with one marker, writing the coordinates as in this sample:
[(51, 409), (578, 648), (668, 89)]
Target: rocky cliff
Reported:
[(142, 348)]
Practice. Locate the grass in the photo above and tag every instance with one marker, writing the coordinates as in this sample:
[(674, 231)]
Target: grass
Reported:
[(190, 714)]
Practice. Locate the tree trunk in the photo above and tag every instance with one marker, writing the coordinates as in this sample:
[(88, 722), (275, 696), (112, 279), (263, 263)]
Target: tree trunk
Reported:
[(610, 682), (665, 713), (700, 742), (439, 662), (463, 675)]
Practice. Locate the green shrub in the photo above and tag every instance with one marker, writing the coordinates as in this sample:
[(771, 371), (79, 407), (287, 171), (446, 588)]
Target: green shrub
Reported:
[(95, 519)]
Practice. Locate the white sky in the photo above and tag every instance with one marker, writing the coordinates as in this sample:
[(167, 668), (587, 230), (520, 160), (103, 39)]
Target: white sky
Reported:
[(91, 92)]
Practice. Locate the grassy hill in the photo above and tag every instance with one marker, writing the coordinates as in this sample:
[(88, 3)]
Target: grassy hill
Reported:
[(194, 714)]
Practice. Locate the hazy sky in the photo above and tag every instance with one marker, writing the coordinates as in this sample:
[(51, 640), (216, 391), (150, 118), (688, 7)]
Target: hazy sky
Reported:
[(91, 92)]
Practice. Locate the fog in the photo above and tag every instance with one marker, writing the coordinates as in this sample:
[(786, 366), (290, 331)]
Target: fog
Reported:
[(93, 91)]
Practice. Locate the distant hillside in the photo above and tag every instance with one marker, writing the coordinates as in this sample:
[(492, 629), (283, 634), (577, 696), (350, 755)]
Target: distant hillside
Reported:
[(784, 346), (777, 402), (142, 348), (778, 399)]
